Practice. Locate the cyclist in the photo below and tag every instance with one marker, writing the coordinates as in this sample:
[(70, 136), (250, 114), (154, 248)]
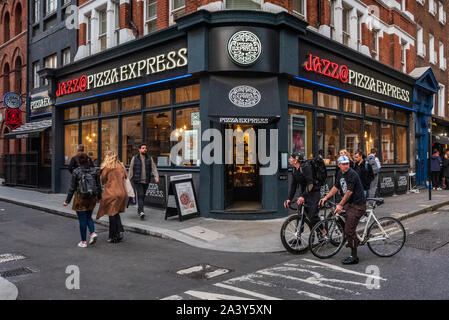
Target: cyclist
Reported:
[(353, 200), (309, 192)]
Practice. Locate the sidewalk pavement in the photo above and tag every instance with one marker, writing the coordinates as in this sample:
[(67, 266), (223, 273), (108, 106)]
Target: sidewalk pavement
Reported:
[(215, 234), (8, 291)]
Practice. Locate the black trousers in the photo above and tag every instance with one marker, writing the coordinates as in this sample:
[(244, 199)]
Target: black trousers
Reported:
[(435, 179), (311, 201), (141, 190), (115, 226)]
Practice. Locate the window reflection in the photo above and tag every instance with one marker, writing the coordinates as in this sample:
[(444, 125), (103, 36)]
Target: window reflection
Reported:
[(328, 137)]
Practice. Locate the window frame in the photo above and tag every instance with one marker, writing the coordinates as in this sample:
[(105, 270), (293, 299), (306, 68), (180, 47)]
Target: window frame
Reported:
[(148, 20), (48, 9)]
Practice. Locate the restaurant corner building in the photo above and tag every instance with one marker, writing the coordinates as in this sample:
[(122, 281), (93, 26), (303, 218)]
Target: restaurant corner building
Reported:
[(319, 94)]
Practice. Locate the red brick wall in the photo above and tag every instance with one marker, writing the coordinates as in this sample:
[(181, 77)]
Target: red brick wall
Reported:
[(162, 14), (16, 47)]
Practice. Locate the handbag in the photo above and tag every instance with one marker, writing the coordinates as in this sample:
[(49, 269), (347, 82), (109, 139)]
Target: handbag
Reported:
[(129, 188)]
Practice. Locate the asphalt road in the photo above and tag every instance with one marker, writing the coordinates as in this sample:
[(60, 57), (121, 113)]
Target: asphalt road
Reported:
[(144, 267)]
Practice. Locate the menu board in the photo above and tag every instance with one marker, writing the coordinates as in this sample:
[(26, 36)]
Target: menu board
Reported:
[(181, 199)]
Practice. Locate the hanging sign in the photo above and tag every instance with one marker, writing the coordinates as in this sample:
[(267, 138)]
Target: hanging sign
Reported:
[(13, 118), (12, 100)]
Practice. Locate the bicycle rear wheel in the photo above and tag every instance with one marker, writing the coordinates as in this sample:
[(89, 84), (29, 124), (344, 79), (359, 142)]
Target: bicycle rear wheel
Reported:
[(326, 246), (387, 237), (295, 241)]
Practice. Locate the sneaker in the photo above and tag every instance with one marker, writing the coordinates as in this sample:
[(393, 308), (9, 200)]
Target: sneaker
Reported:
[(439, 189), (82, 244), (351, 260), (363, 219), (93, 238), (142, 215)]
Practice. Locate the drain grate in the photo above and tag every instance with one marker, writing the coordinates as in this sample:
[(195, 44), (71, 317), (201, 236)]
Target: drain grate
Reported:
[(15, 272), (429, 240), (203, 271)]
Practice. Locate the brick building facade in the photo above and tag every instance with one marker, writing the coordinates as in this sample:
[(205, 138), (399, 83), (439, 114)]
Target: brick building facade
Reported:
[(13, 63)]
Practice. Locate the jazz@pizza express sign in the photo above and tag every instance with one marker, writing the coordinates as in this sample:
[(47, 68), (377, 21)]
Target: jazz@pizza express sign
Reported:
[(341, 72), (133, 70)]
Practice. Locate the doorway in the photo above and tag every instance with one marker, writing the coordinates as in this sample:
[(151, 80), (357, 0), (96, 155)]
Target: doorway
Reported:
[(243, 184)]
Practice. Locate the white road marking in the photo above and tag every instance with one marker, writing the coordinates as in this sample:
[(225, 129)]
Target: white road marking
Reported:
[(175, 297), (190, 270), (337, 268), (247, 292), (313, 295), (216, 273), (7, 257), (213, 296)]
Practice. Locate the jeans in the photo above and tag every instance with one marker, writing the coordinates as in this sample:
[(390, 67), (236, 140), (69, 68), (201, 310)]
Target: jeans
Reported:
[(115, 227), (141, 190), (85, 220)]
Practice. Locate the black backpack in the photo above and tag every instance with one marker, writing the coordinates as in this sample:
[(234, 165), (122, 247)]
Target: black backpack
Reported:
[(87, 186), (319, 170)]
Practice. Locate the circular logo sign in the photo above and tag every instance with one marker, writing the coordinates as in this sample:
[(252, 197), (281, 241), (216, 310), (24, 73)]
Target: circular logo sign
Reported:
[(244, 96), (12, 100), (244, 48)]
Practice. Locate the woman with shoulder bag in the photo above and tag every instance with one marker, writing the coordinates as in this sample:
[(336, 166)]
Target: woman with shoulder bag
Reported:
[(85, 185), (114, 196)]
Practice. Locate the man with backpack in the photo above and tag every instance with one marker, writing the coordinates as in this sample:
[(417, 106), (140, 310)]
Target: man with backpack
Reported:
[(74, 162), (373, 160), (85, 184), (304, 176)]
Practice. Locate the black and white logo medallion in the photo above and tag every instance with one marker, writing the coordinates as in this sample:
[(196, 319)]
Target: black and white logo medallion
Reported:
[(244, 96), (244, 48)]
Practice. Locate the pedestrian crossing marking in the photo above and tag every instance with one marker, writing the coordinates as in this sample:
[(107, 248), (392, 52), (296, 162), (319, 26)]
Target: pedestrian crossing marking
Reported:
[(247, 292), (7, 257), (213, 296)]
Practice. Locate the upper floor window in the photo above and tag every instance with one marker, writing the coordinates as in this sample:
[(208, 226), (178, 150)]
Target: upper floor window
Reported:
[(442, 58), (64, 2), (37, 10), (403, 5), (375, 46), (102, 27), (177, 9), (441, 102), (151, 16), (50, 62), (359, 32), (432, 8), (299, 8), (117, 23), (432, 54), (421, 45), (345, 22), (36, 79), (50, 6), (6, 31), (441, 13), (244, 4), (332, 20), (18, 19), (66, 56), (89, 36), (403, 58)]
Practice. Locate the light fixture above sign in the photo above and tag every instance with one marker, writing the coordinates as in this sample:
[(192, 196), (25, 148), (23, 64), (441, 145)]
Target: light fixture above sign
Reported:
[(244, 48)]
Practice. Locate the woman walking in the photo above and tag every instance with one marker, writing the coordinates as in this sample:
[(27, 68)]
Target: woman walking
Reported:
[(85, 185), (114, 196)]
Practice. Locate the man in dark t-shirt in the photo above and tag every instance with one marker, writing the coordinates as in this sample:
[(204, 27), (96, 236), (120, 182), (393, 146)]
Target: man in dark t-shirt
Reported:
[(348, 183)]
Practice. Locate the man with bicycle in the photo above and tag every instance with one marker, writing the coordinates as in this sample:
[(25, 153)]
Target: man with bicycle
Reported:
[(353, 201), (309, 191)]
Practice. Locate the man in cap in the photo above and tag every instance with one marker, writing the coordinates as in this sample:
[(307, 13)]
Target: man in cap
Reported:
[(353, 201), (309, 191)]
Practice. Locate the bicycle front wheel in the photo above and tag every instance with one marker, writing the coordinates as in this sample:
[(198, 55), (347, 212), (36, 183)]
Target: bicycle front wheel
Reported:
[(327, 238), (387, 237), (293, 237)]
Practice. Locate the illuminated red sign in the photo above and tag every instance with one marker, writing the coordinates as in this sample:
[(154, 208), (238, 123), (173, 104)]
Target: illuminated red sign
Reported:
[(327, 68), (72, 86), (13, 118)]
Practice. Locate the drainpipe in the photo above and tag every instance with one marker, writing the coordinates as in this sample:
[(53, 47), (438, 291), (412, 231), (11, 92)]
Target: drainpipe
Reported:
[(131, 21)]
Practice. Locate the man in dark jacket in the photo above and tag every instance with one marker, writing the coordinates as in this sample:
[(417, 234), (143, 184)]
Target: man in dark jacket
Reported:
[(309, 191), (364, 170), (74, 162), (141, 169), (435, 167)]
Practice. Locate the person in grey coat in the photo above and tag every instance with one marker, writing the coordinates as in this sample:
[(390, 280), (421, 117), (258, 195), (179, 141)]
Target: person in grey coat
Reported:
[(141, 169)]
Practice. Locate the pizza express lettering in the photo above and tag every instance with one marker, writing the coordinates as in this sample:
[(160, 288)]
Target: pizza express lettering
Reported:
[(40, 103), (133, 70), (345, 75)]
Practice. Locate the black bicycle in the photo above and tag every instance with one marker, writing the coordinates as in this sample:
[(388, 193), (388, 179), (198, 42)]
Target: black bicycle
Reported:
[(295, 231)]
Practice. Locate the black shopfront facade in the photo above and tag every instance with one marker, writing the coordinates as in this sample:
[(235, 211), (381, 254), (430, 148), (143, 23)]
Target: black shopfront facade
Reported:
[(242, 70)]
